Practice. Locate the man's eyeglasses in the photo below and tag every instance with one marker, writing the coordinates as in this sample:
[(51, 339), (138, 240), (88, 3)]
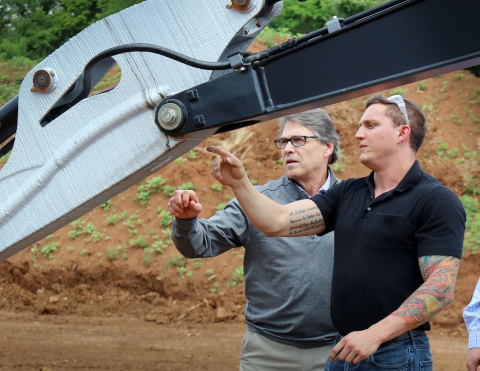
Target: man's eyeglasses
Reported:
[(297, 141)]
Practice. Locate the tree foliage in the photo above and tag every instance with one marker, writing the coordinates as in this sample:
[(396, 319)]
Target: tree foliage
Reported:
[(304, 17), (35, 28)]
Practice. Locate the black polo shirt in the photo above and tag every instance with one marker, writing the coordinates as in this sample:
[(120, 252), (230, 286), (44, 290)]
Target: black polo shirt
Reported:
[(378, 242)]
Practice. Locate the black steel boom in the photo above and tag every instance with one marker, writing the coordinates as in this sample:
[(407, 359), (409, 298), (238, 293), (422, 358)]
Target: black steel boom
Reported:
[(398, 44)]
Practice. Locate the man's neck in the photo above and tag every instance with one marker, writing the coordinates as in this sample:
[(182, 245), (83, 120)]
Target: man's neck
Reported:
[(388, 177), (313, 185)]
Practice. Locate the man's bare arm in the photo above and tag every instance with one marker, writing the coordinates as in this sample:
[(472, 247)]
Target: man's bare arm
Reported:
[(301, 218), (440, 275)]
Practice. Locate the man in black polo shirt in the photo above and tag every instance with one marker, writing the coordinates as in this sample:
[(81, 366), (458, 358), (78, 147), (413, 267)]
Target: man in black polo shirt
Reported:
[(398, 241)]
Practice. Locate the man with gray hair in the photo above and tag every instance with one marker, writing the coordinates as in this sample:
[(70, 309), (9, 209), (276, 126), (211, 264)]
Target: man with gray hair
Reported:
[(287, 280)]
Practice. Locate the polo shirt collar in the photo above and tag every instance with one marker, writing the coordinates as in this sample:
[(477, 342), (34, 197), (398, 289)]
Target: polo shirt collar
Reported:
[(409, 181)]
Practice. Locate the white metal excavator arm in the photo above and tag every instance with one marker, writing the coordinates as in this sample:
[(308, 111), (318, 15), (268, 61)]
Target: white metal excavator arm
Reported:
[(61, 168)]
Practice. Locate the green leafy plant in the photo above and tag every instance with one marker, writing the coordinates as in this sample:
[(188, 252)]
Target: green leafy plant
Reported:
[(422, 86), (181, 272), (398, 91), (187, 186), (167, 233), (175, 261), (338, 168), (84, 252), (458, 76), (210, 272), (442, 147), (70, 248), (106, 205), (140, 242), (453, 153), (49, 248), (158, 246), (254, 182), (111, 253), (169, 190), (89, 228), (165, 218), (112, 219), (472, 225), (147, 257), (237, 275), (143, 195), (156, 184), (217, 187), (192, 154), (197, 263), (445, 87), (180, 161), (220, 206)]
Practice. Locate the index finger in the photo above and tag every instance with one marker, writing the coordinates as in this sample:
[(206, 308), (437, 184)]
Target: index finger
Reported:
[(219, 151)]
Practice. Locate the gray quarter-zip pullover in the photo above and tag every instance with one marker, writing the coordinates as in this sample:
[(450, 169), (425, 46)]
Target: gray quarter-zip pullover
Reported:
[(287, 280)]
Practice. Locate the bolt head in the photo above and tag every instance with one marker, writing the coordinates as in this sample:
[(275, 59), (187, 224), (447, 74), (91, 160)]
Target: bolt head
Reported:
[(168, 115), (240, 3)]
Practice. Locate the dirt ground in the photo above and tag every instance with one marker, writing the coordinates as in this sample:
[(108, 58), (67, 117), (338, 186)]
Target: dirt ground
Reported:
[(61, 343), (81, 307)]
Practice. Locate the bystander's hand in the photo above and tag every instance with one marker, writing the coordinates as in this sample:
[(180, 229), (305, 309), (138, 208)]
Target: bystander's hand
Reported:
[(356, 346), (184, 204), (473, 359), (227, 168)]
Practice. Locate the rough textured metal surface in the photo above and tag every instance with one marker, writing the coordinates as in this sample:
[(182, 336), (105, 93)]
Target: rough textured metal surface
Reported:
[(107, 142)]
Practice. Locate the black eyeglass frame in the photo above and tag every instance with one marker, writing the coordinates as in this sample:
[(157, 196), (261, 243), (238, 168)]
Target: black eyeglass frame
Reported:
[(278, 142)]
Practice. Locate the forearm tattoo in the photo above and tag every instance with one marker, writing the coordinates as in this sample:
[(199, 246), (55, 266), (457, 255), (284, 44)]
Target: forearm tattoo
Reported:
[(440, 275), (303, 220)]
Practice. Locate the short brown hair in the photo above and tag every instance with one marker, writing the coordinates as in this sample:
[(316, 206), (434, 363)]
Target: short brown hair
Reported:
[(416, 117)]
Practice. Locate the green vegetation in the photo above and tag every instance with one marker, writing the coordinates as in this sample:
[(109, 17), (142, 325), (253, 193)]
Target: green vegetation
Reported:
[(210, 272), (143, 194), (398, 91), (471, 188), (176, 261), (49, 248), (472, 226), (237, 276), (140, 242), (111, 253), (165, 217), (180, 161), (158, 246), (442, 147), (304, 17), (147, 257), (217, 187), (458, 76), (181, 272), (220, 206), (34, 28), (192, 154), (422, 86), (106, 205)]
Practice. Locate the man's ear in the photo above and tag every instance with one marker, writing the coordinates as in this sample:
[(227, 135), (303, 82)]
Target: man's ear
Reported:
[(329, 149), (403, 134)]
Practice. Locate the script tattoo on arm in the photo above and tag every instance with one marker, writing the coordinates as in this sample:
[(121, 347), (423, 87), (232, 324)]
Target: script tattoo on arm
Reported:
[(306, 221), (440, 276)]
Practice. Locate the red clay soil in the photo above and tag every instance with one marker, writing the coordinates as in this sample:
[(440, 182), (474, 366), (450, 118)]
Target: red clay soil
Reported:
[(120, 301)]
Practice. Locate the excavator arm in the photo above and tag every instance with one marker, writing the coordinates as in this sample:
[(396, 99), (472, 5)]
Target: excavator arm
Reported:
[(186, 76)]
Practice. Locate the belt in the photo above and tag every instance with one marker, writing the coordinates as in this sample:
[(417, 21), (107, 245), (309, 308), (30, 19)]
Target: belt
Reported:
[(415, 333)]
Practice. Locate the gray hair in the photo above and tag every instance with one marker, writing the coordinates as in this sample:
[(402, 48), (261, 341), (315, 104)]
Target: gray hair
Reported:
[(318, 121)]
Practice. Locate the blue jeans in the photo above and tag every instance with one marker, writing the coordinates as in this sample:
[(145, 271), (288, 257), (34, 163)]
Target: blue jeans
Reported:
[(409, 355)]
